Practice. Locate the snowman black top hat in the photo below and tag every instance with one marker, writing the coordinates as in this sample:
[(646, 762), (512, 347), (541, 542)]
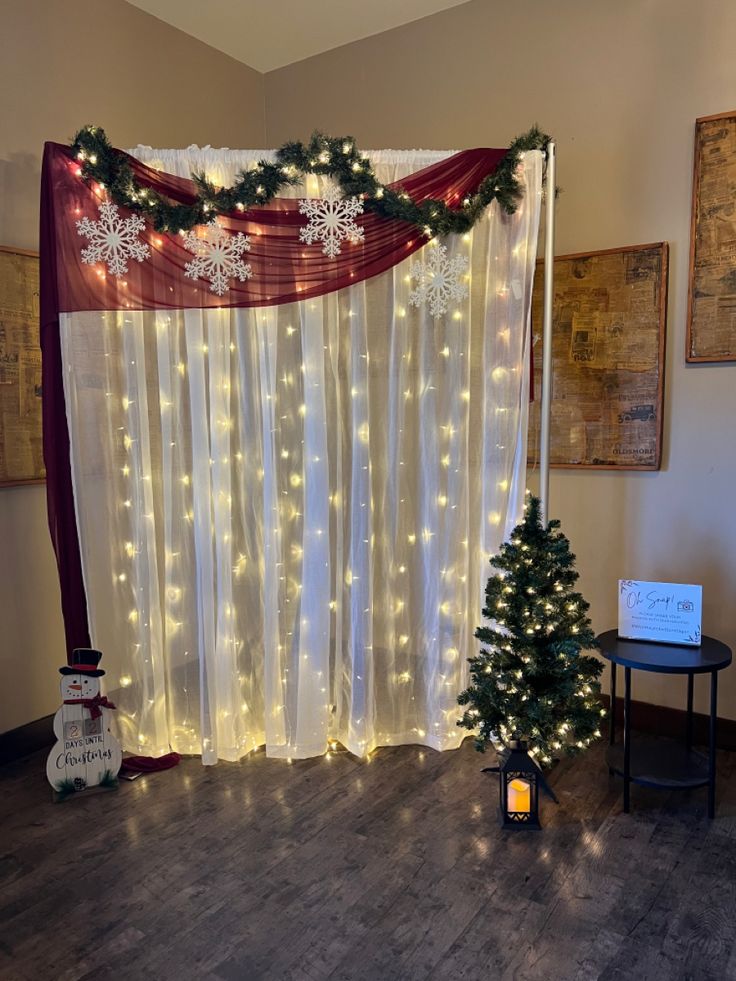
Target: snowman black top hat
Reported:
[(84, 661)]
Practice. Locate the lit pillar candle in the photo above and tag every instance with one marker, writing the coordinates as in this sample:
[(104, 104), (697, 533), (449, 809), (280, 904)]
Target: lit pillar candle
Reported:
[(519, 798)]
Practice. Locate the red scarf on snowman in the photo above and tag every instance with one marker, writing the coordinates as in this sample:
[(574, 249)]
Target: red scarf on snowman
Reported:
[(95, 705)]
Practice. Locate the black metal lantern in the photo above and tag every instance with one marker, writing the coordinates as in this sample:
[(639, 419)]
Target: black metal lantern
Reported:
[(520, 783)]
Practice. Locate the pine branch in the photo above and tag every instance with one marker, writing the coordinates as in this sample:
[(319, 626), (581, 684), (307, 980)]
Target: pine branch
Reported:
[(336, 157)]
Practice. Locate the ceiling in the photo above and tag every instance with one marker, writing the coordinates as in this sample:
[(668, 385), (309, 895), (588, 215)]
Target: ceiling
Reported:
[(268, 34)]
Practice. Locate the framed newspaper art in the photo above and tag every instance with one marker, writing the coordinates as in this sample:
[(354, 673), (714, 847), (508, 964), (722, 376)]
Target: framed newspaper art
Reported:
[(21, 452), (711, 308), (609, 320)]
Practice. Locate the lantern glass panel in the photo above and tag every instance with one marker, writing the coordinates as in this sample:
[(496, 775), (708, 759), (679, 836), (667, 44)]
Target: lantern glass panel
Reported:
[(519, 799), (520, 795)]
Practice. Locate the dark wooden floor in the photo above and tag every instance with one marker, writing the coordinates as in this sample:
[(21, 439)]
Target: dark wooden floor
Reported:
[(339, 869)]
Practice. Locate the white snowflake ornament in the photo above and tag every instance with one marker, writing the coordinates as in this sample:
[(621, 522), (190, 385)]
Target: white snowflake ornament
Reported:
[(331, 221), (218, 257), (439, 280), (113, 240)]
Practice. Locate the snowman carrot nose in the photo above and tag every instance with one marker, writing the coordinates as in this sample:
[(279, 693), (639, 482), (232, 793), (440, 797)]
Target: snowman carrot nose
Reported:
[(76, 687)]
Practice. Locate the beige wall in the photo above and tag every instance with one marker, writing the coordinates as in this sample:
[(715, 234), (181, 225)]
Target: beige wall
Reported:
[(619, 85), (64, 64)]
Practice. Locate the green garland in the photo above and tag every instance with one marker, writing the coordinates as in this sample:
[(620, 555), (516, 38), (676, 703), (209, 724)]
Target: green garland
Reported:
[(335, 157)]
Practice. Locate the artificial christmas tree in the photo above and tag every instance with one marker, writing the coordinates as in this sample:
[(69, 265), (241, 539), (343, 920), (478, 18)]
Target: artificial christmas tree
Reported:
[(531, 680)]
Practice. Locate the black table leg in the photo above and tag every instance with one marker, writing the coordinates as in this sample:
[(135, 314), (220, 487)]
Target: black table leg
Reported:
[(690, 711), (627, 738), (612, 713), (712, 745)]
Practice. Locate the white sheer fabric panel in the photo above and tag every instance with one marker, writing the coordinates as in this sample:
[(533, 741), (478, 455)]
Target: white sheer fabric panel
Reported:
[(286, 513)]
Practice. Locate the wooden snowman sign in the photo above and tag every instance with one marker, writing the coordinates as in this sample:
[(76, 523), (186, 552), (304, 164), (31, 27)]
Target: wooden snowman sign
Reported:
[(86, 753)]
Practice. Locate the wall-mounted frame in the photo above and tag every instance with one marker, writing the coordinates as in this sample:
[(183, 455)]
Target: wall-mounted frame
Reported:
[(21, 450), (711, 306), (609, 324)]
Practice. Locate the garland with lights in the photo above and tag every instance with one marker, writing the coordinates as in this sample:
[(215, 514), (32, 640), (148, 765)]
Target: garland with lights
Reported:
[(530, 680), (335, 157)]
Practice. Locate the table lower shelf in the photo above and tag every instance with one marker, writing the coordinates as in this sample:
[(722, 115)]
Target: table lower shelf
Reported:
[(661, 763)]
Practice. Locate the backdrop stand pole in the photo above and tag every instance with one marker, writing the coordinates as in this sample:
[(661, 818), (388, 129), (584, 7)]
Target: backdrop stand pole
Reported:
[(549, 275)]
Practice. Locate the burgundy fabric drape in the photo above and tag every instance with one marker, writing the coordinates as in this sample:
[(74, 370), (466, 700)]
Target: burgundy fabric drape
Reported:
[(284, 270), (59, 493)]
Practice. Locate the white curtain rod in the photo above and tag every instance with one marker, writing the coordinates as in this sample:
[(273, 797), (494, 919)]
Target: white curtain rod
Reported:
[(549, 274)]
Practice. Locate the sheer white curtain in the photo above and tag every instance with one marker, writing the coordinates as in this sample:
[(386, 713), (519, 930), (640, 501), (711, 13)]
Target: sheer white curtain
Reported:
[(286, 513)]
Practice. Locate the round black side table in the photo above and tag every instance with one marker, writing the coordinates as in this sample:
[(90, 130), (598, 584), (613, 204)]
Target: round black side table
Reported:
[(679, 767)]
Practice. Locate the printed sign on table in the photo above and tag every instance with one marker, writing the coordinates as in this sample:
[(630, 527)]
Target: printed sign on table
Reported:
[(667, 612)]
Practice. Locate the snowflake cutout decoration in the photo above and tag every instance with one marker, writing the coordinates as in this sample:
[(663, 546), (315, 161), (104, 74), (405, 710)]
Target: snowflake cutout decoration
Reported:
[(113, 240), (331, 221), (218, 257), (438, 280)]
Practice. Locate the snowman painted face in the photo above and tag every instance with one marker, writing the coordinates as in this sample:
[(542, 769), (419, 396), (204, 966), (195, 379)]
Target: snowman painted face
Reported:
[(79, 686)]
